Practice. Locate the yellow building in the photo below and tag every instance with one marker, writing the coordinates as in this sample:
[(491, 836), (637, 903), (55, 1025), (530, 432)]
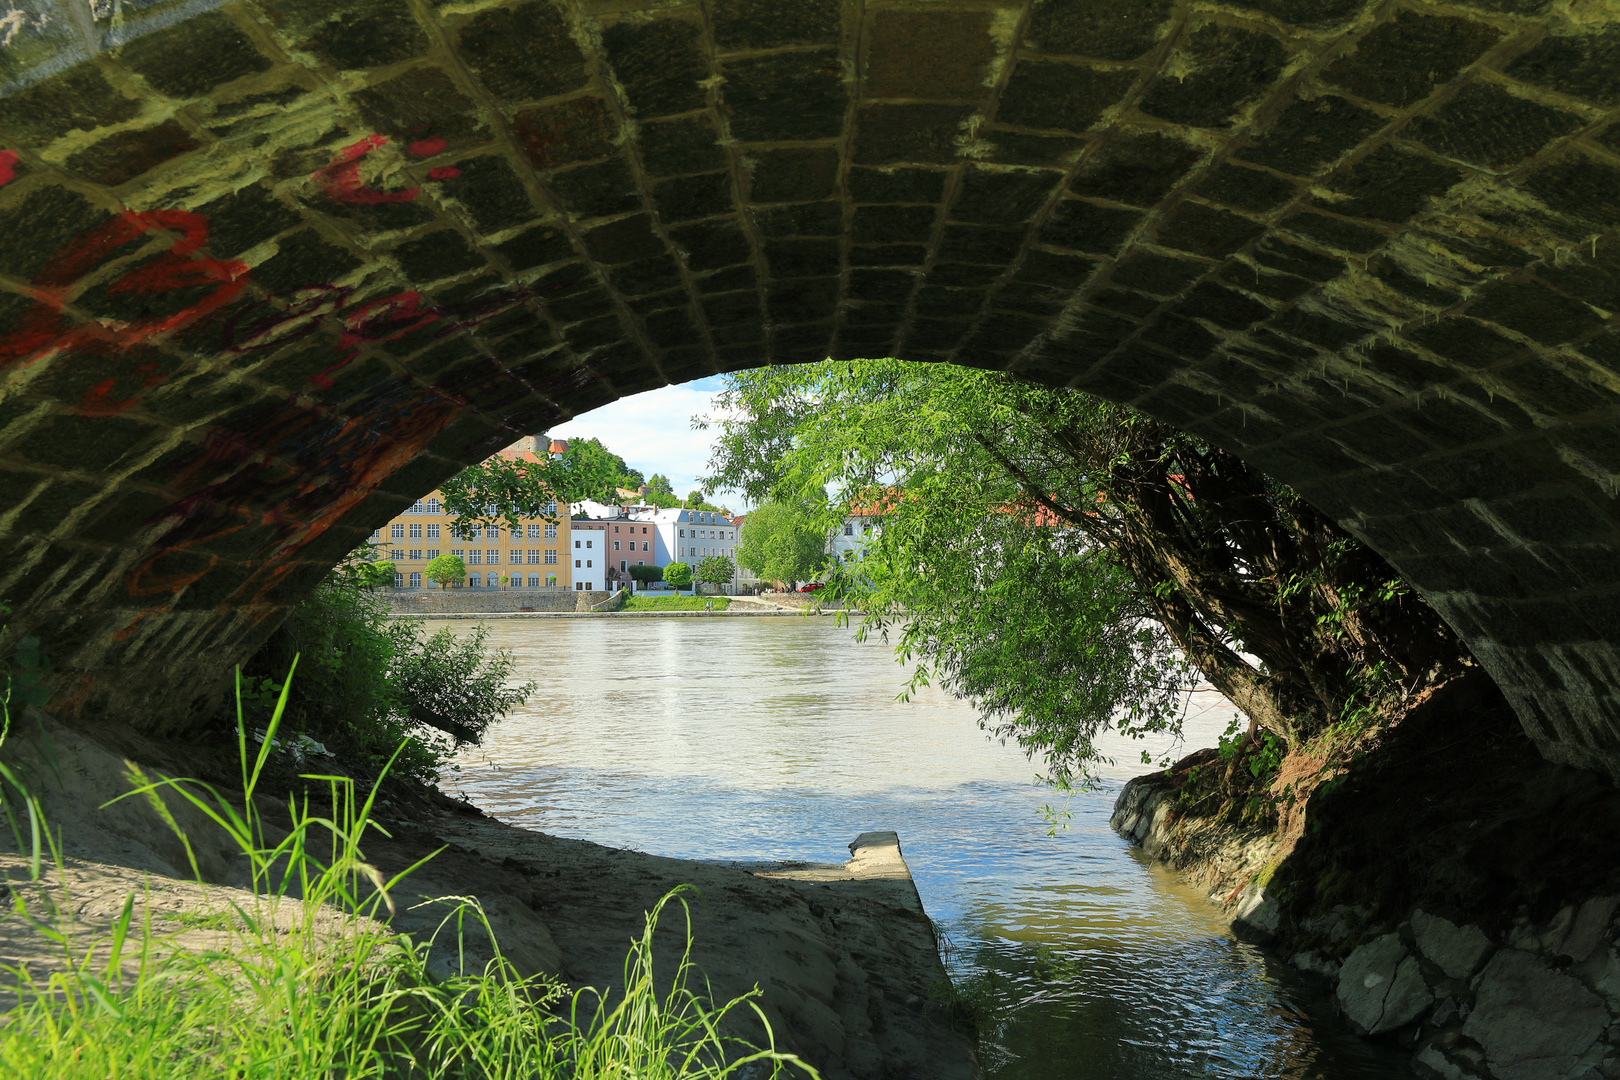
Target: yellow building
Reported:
[(535, 555)]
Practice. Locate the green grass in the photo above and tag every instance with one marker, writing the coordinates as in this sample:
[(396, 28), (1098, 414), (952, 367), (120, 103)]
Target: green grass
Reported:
[(676, 603), (307, 981)]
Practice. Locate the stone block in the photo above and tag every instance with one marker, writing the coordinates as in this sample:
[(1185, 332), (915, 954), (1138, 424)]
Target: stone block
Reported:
[(1335, 232), (1391, 185), (896, 185), (882, 285), (354, 34), (768, 24), (590, 304), (1533, 1022), (646, 276), (685, 198), (910, 134), (794, 258), (729, 280), (1163, 275), (1206, 230), (1312, 133), (79, 99), (423, 106), (522, 52), (600, 190), (712, 244), (1470, 343), (1087, 226), (1401, 62), (805, 219), (660, 63), (489, 190), (1584, 187), (1002, 196), (120, 158), (1220, 69), (1138, 168), (625, 240), (688, 144), (1486, 125), (581, 129), (1026, 148), (193, 57), (937, 300), (806, 300), (793, 175), (441, 254), (729, 309), (1064, 96), (892, 224), (1584, 63), (888, 255), (785, 96), (1306, 12), (1246, 189), (960, 276), (930, 55), (1105, 29), (304, 259), (536, 247)]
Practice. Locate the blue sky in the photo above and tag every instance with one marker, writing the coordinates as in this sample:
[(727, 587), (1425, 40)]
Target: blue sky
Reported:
[(653, 432)]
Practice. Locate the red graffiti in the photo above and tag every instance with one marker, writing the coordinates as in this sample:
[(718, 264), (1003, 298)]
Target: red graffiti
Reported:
[(8, 166), (42, 330), (444, 172), (341, 179), (427, 147)]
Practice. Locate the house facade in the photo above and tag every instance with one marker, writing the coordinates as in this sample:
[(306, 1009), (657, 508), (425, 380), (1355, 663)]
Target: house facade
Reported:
[(534, 555)]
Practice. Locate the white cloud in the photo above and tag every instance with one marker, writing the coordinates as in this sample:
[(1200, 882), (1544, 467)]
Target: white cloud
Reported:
[(653, 432)]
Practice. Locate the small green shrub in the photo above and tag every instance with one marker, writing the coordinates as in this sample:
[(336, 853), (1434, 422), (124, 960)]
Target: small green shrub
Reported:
[(677, 603), (678, 574)]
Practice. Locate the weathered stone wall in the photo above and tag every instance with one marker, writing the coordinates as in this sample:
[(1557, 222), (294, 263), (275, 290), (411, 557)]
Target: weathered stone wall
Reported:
[(270, 270), (434, 601)]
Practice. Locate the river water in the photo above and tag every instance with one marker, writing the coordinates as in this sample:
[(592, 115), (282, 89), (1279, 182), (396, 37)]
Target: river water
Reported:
[(780, 738)]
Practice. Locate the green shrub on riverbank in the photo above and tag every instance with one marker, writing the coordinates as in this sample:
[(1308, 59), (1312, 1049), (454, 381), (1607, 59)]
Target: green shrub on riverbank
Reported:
[(676, 603), (305, 981)]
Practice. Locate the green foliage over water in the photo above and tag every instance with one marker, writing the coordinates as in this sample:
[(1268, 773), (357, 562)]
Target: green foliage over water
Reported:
[(677, 603)]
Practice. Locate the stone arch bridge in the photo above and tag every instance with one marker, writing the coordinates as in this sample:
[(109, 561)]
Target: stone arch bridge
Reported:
[(269, 269)]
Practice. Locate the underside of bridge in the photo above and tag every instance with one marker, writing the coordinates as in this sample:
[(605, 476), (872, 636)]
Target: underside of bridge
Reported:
[(270, 270)]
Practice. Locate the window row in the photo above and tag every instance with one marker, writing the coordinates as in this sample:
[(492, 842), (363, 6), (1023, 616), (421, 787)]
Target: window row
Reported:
[(479, 556)]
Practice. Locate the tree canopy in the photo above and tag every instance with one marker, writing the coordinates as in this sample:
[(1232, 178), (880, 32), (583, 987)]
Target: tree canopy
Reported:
[(785, 540), (715, 570), (678, 574), (1068, 564), (445, 570)]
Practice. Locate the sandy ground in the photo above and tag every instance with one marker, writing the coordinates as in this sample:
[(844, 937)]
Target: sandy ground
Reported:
[(843, 954)]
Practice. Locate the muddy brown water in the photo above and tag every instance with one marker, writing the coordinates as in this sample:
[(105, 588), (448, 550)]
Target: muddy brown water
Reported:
[(746, 739)]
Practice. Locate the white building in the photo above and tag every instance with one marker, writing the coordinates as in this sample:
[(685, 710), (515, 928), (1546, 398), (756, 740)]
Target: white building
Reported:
[(848, 541), (634, 535)]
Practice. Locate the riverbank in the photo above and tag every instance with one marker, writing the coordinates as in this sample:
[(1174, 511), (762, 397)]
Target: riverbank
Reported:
[(844, 955), (1458, 893)]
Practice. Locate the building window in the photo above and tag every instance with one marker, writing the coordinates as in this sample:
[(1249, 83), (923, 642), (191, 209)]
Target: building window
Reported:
[(587, 563), (475, 557), (492, 532), (397, 532), (615, 545), (376, 534), (399, 581), (416, 581), (534, 532), (416, 507), (588, 543), (432, 553), (615, 529), (623, 565), (551, 556), (683, 534), (416, 532), (460, 553), (576, 543), (474, 580), (534, 557), (396, 553), (433, 506), (492, 557), (516, 557), (551, 507), (849, 528), (551, 532), (433, 532), (645, 546), (579, 586), (516, 581), (576, 564), (534, 581), (416, 555)]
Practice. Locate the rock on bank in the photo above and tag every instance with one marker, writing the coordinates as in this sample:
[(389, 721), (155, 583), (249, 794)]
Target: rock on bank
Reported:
[(1459, 899), (844, 955)]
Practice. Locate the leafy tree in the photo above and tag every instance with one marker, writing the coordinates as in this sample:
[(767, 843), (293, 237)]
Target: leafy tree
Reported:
[(784, 541), (375, 575), (509, 490), (646, 574), (658, 484), (1071, 565), (678, 574), (715, 570), (446, 570)]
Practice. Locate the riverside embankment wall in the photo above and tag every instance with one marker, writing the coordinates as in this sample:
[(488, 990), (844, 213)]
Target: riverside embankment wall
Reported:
[(475, 601)]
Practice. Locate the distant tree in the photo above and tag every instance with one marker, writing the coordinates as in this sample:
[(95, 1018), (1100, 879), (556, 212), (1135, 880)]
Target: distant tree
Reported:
[(512, 489), (658, 484), (715, 570), (446, 570), (678, 574), (782, 541), (646, 574), (375, 575)]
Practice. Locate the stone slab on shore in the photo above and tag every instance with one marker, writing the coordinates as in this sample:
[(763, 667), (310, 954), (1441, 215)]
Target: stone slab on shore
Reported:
[(844, 955)]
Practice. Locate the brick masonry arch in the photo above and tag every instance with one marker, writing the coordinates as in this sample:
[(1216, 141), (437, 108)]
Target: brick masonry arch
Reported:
[(269, 270)]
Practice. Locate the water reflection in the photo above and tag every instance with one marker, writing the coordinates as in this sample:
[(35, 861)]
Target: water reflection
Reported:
[(781, 738)]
